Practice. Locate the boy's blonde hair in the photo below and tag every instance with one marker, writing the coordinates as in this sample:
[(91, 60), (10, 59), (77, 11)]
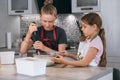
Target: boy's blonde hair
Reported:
[(48, 8)]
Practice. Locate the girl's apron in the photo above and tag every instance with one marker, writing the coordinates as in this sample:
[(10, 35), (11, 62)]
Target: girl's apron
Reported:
[(82, 51)]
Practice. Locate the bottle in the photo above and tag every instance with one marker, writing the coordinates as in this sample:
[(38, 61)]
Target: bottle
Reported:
[(9, 40)]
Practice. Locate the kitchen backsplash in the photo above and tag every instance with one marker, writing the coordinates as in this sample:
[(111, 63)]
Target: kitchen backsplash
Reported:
[(65, 21)]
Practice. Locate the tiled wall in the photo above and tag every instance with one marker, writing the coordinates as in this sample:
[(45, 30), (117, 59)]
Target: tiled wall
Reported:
[(65, 21)]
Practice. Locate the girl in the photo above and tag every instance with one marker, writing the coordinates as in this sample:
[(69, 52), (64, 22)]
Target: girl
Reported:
[(91, 51)]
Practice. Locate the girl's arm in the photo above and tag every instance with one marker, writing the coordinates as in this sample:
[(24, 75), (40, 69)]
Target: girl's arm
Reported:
[(84, 62), (74, 56), (68, 54)]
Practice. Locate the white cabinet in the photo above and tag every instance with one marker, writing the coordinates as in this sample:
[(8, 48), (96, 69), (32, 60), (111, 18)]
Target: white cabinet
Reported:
[(81, 6), (19, 7)]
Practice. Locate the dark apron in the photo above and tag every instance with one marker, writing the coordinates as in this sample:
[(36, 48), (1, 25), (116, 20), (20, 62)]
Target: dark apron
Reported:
[(51, 43)]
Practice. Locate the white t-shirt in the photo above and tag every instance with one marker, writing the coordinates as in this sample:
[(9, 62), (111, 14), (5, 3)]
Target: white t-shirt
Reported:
[(85, 45)]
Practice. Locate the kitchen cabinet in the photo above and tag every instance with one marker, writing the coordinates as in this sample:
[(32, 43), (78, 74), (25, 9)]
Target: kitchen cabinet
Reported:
[(82, 6), (20, 7)]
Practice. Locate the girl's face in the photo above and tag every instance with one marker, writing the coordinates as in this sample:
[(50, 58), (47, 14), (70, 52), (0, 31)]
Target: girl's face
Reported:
[(47, 21), (87, 29)]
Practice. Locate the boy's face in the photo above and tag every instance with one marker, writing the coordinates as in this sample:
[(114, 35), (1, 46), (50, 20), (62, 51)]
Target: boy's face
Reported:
[(47, 21)]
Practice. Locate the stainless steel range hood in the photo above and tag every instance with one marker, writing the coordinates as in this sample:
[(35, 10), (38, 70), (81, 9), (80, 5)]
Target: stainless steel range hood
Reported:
[(63, 6)]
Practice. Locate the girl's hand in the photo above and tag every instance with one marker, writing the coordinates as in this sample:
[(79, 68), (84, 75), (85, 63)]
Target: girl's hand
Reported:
[(38, 45), (64, 53), (32, 27), (58, 59)]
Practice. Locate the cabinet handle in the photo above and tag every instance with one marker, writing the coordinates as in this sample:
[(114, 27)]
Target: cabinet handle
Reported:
[(19, 11)]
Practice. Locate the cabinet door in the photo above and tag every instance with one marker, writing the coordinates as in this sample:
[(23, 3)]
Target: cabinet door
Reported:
[(18, 7)]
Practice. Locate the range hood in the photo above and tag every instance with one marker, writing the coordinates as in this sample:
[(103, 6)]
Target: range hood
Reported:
[(63, 6)]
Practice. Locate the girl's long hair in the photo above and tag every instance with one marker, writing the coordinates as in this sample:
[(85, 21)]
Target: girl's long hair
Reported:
[(103, 60)]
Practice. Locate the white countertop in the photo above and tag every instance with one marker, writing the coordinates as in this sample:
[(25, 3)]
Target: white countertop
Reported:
[(8, 72)]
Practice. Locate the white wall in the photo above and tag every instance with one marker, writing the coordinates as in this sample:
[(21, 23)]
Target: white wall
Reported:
[(110, 11), (8, 24)]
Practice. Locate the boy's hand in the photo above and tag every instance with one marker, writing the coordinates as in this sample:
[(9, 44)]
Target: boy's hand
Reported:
[(38, 45), (32, 27)]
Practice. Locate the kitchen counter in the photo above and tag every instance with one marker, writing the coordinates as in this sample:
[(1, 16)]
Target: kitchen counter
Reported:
[(8, 72), (12, 49), (5, 49), (32, 51)]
